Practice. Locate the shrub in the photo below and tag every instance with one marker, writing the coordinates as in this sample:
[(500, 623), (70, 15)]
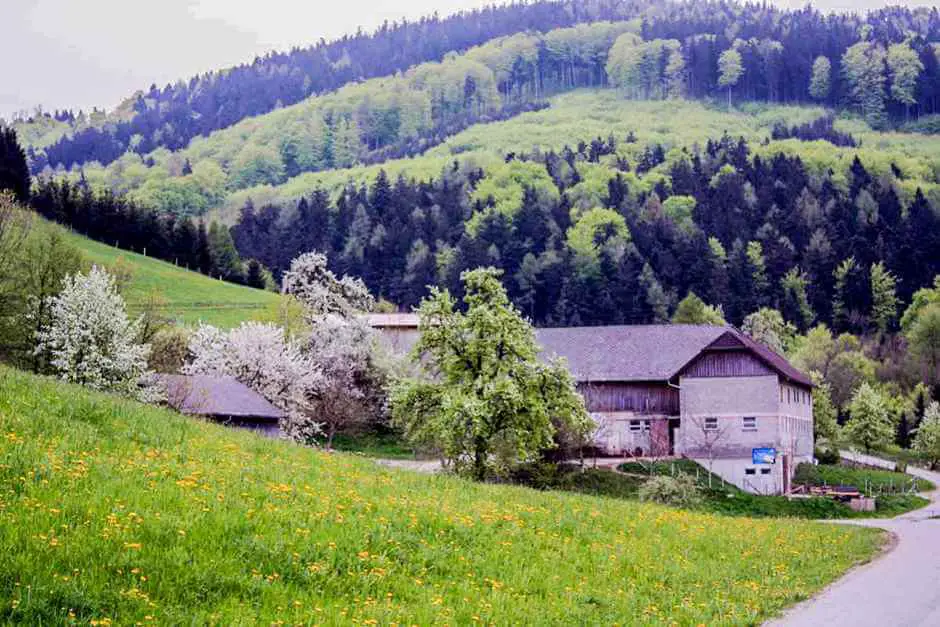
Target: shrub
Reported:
[(827, 456), (807, 473), (168, 350), (679, 491)]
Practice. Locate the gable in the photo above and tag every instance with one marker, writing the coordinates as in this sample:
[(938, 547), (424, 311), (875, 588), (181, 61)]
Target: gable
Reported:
[(727, 363)]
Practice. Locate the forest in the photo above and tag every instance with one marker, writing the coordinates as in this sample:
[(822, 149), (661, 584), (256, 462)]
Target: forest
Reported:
[(883, 64)]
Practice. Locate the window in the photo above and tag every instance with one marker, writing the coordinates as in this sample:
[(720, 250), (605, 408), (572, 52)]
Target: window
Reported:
[(711, 424), (750, 471), (749, 423), (638, 426), (765, 471)]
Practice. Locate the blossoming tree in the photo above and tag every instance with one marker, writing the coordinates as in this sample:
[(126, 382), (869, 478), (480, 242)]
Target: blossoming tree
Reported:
[(90, 340)]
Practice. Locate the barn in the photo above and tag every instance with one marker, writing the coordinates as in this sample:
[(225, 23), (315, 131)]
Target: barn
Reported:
[(223, 400), (709, 393)]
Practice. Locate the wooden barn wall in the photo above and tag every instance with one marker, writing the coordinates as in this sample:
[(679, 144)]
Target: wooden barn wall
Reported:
[(646, 398), (727, 364)]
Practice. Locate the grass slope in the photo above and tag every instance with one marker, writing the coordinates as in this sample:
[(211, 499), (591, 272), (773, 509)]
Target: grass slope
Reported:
[(112, 510), (189, 297)]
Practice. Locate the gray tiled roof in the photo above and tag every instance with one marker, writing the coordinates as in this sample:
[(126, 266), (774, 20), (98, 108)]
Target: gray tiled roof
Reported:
[(627, 353), (217, 396)]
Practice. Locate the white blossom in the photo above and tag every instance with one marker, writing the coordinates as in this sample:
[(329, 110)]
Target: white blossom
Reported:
[(321, 293), (261, 357), (90, 340), (351, 388)]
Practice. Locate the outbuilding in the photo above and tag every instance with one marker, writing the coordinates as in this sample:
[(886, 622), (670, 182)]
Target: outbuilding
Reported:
[(223, 400)]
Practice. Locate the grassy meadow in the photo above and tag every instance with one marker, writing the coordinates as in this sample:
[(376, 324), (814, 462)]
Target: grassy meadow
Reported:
[(119, 513), (184, 296)]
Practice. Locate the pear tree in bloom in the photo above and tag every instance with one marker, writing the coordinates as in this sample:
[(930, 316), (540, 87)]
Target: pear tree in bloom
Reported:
[(351, 391), (487, 403), (90, 340), (311, 282)]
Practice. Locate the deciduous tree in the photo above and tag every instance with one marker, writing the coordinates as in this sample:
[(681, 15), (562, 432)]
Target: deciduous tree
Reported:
[(869, 425), (730, 70), (90, 340), (820, 84), (927, 440), (488, 403)]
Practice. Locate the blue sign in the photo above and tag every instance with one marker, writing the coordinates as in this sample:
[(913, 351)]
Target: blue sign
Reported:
[(763, 455)]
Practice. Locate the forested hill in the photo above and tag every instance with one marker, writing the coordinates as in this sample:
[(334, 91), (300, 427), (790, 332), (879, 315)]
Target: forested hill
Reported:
[(623, 165), (171, 116), (778, 48)]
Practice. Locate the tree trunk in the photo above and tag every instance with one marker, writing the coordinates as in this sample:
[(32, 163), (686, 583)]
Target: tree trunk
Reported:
[(479, 459)]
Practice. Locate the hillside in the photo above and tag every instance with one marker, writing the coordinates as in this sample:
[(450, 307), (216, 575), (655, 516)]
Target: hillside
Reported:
[(778, 50), (571, 118), (182, 295), (115, 512)]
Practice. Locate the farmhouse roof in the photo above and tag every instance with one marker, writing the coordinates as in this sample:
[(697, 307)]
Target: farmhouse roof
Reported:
[(649, 352), (217, 396), (392, 320), (655, 352)]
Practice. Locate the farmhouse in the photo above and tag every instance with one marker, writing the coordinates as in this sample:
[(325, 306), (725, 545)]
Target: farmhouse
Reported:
[(223, 400), (708, 393)]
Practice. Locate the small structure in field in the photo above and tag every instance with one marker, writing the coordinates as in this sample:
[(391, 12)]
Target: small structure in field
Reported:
[(223, 400)]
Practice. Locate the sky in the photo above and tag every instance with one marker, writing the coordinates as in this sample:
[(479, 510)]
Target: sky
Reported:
[(81, 54)]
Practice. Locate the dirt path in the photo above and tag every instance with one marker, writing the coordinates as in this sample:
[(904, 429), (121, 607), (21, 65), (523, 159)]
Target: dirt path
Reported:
[(899, 588)]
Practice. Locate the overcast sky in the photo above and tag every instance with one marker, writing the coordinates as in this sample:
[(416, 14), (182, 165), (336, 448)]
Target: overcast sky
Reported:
[(87, 53)]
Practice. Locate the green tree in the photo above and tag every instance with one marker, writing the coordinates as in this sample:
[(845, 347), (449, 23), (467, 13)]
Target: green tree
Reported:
[(842, 276), (657, 299), (757, 266), (820, 85), (796, 305), (863, 66), (825, 424), (489, 403), (257, 165), (869, 425), (768, 327), (927, 440), (693, 310), (730, 70), (39, 258), (884, 308), (226, 263), (923, 337), (14, 171), (923, 298), (905, 67)]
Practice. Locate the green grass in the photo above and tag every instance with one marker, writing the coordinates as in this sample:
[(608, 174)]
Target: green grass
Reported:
[(189, 297), (723, 498), (865, 479), (379, 445), (112, 510)]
